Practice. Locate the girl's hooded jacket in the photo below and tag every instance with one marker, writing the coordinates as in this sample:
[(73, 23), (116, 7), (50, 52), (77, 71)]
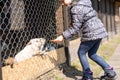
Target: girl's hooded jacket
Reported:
[(84, 18)]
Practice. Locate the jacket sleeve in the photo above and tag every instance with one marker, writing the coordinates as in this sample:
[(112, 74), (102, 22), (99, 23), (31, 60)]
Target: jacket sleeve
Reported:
[(77, 15)]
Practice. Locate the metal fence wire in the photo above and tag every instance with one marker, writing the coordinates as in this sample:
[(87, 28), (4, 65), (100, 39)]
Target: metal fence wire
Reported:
[(23, 20)]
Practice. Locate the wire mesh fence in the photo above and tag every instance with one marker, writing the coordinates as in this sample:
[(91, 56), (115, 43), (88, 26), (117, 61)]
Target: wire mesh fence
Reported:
[(23, 20)]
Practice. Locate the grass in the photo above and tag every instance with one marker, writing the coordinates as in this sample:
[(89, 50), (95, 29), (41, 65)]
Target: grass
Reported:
[(58, 78), (106, 50)]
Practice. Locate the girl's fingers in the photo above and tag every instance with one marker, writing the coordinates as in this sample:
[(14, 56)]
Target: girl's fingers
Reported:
[(58, 39), (52, 40)]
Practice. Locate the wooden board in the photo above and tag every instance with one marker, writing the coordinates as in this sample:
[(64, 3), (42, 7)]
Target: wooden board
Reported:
[(37, 65)]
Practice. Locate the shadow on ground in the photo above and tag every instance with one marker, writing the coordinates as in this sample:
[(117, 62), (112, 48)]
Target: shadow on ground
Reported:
[(71, 72)]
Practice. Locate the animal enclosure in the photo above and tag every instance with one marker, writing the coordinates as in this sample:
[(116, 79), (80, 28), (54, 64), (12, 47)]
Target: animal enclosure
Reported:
[(23, 20)]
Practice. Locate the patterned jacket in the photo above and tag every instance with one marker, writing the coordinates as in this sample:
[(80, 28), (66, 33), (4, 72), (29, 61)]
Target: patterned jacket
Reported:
[(85, 19)]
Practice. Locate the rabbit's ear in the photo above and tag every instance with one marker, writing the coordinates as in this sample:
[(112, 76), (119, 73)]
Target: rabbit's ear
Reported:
[(29, 43)]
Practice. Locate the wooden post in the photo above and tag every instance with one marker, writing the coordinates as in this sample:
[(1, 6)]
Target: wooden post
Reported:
[(114, 17), (66, 25)]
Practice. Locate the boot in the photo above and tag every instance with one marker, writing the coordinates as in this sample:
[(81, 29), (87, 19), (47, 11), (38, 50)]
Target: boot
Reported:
[(109, 74), (87, 76)]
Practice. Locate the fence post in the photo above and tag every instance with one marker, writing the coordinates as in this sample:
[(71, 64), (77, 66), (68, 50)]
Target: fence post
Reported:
[(114, 17), (66, 25), (0, 61)]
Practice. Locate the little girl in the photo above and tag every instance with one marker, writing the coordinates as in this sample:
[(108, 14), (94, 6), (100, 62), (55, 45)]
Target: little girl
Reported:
[(84, 19)]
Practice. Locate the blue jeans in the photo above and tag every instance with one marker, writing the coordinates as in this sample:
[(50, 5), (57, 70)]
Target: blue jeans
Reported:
[(91, 48)]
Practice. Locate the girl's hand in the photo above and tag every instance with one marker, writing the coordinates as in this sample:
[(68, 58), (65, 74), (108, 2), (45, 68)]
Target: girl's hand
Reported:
[(58, 39)]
